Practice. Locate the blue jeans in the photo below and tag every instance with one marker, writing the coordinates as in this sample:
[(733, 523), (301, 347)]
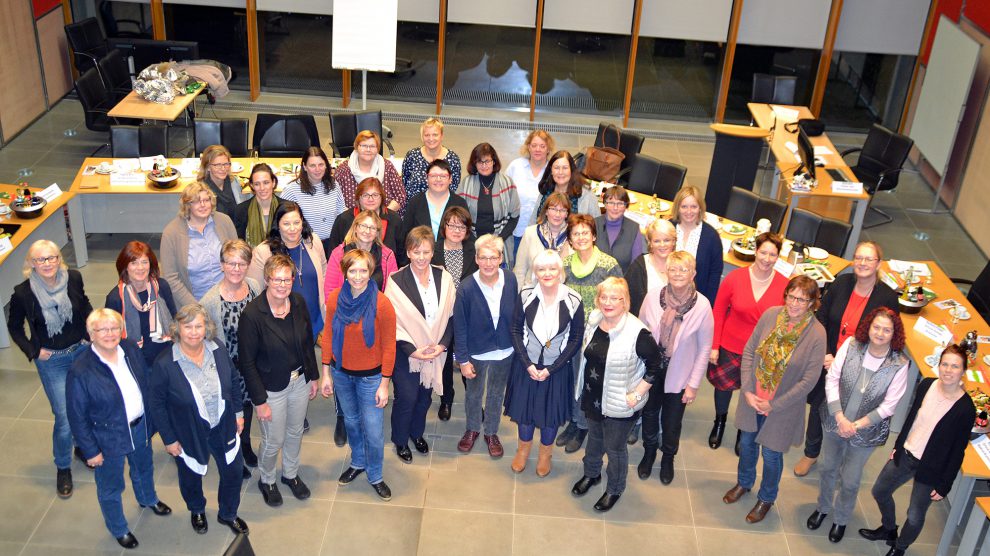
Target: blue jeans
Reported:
[(365, 423), (773, 464), (53, 373), (231, 479), (110, 481)]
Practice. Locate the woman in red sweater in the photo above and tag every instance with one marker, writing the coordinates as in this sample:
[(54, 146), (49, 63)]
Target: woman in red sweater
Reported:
[(743, 296), (358, 356)]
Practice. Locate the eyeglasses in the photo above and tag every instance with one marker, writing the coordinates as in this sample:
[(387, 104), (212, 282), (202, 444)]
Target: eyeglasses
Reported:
[(371, 196), (494, 259), (438, 177), (280, 281), (862, 259), (220, 165), (369, 147), (793, 299), (457, 227), (611, 298), (558, 210), (485, 162), (581, 233), (201, 201), (680, 270), (107, 330), (235, 265), (48, 259), (615, 204), (368, 227)]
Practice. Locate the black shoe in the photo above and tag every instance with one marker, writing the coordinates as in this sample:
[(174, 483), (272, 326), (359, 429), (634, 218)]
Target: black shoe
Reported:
[(606, 502), (298, 488), (836, 533), (718, 429), (404, 453), (633, 435), (305, 425), (815, 520), (340, 433), (444, 412), (128, 540), (245, 472), (82, 458), (738, 437), (199, 523), (63, 483), (250, 458), (667, 469), (895, 552), (574, 444), (880, 534), (421, 445), (382, 490), (236, 525), (569, 431), (160, 508), (584, 483), (349, 475), (270, 493), (645, 467)]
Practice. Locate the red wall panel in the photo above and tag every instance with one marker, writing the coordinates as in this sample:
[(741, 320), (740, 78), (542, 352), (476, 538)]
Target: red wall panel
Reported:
[(41, 7), (979, 14), (949, 8)]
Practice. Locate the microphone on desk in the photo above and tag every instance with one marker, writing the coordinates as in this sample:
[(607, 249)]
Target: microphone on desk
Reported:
[(773, 122)]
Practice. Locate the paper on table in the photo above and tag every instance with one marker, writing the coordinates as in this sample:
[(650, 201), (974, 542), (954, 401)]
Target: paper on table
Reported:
[(974, 375), (946, 303), (127, 179), (127, 165), (982, 447), (6, 246), (920, 269), (643, 220), (726, 245), (50, 193), (785, 115), (853, 187), (932, 331), (822, 150), (189, 166), (784, 267)]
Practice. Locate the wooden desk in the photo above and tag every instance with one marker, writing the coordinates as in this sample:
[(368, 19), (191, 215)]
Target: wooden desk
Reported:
[(50, 225), (98, 207), (821, 199), (133, 106)]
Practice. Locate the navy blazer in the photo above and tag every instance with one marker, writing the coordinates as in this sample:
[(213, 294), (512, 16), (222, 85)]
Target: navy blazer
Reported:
[(418, 214), (708, 262), (95, 405), (174, 410), (471, 313)]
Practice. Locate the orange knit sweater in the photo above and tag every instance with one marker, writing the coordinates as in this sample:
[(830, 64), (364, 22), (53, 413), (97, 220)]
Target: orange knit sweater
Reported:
[(356, 355)]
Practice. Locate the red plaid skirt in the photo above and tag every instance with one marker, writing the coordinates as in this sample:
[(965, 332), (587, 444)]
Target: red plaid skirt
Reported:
[(725, 375)]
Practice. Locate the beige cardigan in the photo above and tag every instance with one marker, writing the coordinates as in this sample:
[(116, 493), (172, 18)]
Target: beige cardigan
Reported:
[(173, 255), (316, 254)]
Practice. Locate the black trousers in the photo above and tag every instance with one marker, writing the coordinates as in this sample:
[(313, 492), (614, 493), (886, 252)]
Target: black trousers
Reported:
[(663, 411)]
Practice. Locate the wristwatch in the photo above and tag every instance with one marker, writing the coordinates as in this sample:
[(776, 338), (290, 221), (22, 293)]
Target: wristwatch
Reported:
[(637, 395)]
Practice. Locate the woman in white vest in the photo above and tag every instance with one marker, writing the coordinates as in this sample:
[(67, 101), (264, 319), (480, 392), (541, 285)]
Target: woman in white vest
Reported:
[(620, 363)]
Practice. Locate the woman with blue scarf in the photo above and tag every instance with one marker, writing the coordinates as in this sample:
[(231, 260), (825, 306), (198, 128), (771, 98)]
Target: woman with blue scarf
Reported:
[(358, 356), (549, 232)]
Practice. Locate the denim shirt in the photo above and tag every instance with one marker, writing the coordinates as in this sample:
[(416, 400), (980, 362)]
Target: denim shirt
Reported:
[(204, 259), (204, 379)]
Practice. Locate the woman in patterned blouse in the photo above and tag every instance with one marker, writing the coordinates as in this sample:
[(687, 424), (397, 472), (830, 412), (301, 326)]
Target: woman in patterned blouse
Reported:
[(418, 158)]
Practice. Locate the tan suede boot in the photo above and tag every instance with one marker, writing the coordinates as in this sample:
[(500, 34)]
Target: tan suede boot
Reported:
[(522, 454), (804, 466), (543, 460)]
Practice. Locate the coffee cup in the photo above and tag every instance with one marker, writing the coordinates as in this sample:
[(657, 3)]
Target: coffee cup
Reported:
[(4, 209), (762, 226), (103, 167)]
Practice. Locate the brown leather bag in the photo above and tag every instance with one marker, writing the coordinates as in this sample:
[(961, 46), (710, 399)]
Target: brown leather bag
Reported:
[(603, 163)]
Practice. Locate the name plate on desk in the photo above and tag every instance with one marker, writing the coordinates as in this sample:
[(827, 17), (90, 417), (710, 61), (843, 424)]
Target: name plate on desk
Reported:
[(127, 179), (50, 193), (850, 187), (6, 246), (932, 331), (982, 447)]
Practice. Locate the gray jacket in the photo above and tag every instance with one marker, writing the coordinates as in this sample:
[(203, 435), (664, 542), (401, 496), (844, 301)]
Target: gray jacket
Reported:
[(213, 304), (173, 256), (624, 369)]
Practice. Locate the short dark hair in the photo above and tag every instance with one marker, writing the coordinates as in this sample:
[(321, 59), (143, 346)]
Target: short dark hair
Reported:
[(480, 150), (440, 163)]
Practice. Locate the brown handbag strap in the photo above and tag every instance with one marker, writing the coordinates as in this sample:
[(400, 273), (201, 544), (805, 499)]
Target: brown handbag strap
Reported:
[(618, 136)]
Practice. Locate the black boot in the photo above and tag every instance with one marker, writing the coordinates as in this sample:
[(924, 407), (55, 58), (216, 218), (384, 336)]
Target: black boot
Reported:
[(738, 436), (340, 432), (667, 469), (718, 429), (645, 467)]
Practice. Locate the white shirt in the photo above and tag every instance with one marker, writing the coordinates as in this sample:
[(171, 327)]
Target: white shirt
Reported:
[(690, 242), (429, 297), (493, 297), (528, 188), (133, 401)]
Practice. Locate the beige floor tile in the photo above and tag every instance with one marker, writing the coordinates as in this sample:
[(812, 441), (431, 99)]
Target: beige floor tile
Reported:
[(695, 454), (5, 424), (26, 451), (651, 501), (634, 539), (707, 490), (851, 544), (296, 528), (17, 388), (407, 482), (38, 408), (475, 485), (173, 534), (551, 496), (716, 542), (799, 498), (462, 532), (33, 499), (536, 535), (356, 528), (77, 522), (37, 549)]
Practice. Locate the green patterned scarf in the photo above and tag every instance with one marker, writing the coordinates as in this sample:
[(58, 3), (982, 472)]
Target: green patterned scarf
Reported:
[(257, 224), (775, 350)]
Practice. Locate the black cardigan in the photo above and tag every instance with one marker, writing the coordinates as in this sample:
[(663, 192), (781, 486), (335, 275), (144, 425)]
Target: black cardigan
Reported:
[(261, 347), (836, 299), (470, 264), (24, 306), (418, 214), (638, 280), (947, 446)]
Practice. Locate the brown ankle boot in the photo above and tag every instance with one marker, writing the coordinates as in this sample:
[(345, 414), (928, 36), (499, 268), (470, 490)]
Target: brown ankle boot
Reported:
[(543, 460), (522, 454)]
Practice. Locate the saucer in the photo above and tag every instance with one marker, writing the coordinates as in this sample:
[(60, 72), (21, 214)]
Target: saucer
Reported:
[(932, 360), (236, 167)]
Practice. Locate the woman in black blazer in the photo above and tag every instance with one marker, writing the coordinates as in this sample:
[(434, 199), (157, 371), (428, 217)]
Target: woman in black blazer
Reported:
[(53, 304), (276, 352), (197, 407), (419, 211), (454, 251), (845, 302), (930, 450)]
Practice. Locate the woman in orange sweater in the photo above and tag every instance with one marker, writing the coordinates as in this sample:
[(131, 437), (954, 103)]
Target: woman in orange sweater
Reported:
[(358, 356)]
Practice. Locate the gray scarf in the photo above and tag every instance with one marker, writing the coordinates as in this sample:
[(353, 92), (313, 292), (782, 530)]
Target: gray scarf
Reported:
[(55, 304)]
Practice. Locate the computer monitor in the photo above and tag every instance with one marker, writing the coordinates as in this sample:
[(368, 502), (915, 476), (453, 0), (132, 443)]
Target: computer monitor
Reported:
[(807, 152)]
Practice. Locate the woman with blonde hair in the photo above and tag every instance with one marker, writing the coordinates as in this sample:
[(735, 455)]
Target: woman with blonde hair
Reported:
[(649, 271), (365, 234), (367, 162), (53, 304), (699, 238), (214, 173), (525, 172), (414, 165)]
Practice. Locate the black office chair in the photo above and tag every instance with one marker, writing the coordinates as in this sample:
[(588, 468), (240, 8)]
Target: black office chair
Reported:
[(284, 136), (127, 141), (774, 89), (96, 101), (231, 133), (651, 176), (344, 127), (818, 231), (115, 73), (879, 165), (114, 24), (87, 41), (630, 144), (979, 292), (748, 208)]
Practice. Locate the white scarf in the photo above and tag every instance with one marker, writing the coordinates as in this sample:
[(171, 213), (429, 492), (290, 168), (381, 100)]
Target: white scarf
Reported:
[(377, 168)]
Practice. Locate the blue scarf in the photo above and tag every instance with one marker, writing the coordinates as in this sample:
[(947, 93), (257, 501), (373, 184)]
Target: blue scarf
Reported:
[(349, 311)]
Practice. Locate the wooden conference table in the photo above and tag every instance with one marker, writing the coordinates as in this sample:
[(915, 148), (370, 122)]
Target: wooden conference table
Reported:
[(821, 199), (133, 106), (25, 231)]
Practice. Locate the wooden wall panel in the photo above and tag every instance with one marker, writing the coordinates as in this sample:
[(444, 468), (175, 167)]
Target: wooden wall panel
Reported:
[(971, 205), (21, 100), (55, 55)]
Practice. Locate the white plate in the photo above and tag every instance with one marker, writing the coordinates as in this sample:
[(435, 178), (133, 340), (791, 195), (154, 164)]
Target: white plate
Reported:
[(734, 229), (986, 359), (104, 173), (236, 167), (931, 361), (960, 313), (817, 253), (713, 221), (664, 206)]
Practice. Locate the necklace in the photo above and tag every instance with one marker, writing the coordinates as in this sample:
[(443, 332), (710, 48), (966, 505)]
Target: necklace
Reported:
[(548, 323), (283, 312), (487, 187), (752, 276)]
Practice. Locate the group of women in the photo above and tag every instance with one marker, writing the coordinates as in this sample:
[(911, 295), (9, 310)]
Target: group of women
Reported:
[(554, 314)]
